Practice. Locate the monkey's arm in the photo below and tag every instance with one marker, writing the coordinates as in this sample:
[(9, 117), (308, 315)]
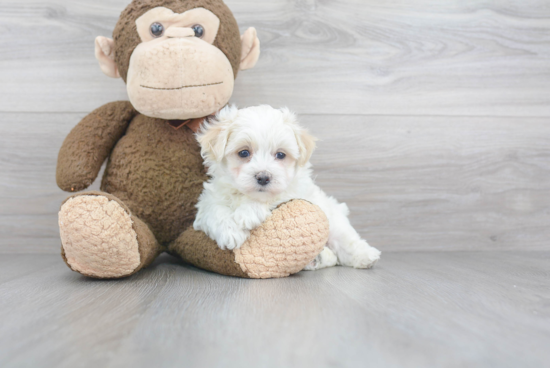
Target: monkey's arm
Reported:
[(90, 143)]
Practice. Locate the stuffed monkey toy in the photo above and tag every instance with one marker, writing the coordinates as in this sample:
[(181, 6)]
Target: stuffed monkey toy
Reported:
[(179, 60)]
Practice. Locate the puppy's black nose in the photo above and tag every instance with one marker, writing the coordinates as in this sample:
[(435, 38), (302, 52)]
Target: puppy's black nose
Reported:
[(263, 178)]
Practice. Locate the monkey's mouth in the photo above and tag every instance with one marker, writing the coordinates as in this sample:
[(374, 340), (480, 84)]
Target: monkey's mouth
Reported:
[(182, 87)]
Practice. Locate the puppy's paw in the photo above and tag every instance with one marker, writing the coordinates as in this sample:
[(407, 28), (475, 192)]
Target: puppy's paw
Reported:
[(364, 256), (249, 217), (325, 259), (232, 238), (228, 235)]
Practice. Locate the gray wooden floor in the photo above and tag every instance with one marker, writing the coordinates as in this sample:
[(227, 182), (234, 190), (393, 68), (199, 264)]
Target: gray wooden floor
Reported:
[(421, 309)]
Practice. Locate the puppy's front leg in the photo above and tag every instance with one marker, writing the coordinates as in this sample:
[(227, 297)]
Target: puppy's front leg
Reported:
[(251, 215), (218, 223)]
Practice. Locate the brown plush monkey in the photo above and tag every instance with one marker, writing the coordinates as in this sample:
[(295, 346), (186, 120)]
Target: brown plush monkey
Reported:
[(179, 59)]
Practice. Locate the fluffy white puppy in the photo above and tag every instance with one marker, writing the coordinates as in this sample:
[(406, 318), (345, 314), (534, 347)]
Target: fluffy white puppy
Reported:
[(258, 158)]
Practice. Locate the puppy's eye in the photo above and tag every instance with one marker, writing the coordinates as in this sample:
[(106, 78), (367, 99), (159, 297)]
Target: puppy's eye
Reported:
[(199, 30), (157, 29), (280, 156), (244, 154)]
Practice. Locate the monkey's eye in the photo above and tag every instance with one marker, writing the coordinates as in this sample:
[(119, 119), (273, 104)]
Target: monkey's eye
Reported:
[(280, 155), (199, 30), (244, 154), (157, 29)]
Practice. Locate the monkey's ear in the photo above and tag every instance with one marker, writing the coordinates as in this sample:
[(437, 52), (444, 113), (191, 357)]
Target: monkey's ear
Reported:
[(105, 54), (251, 49)]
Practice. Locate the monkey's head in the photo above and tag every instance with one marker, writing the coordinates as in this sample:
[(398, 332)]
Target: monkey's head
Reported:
[(179, 58)]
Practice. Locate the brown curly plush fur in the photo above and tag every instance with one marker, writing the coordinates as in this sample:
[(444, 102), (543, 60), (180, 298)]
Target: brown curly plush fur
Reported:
[(162, 181), (90, 143), (127, 39)]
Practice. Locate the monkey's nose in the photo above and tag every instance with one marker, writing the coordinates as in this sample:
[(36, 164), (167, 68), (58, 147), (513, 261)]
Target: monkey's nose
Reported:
[(263, 178), (180, 32)]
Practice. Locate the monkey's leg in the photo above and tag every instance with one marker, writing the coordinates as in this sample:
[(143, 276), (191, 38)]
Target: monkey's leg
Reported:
[(290, 239), (102, 239)]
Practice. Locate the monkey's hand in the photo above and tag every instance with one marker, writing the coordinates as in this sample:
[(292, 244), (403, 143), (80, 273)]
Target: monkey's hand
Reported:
[(90, 143)]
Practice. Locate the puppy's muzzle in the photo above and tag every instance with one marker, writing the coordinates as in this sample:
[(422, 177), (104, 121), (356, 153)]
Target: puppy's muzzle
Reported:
[(263, 178)]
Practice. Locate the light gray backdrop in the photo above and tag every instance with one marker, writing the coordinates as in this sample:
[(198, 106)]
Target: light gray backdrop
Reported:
[(433, 116)]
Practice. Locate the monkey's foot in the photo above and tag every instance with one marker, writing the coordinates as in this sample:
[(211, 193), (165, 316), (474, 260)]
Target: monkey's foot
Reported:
[(100, 238), (287, 242), (284, 244)]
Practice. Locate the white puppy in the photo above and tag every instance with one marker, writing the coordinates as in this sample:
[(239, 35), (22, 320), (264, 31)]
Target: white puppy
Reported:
[(258, 158)]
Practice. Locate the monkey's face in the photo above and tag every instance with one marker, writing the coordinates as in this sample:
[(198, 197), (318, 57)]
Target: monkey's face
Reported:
[(177, 72), (178, 63)]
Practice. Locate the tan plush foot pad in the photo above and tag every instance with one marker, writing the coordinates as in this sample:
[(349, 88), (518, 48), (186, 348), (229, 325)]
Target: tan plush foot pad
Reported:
[(98, 238), (291, 238)]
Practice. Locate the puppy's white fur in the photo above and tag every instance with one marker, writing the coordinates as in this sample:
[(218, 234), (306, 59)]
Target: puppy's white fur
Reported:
[(234, 201)]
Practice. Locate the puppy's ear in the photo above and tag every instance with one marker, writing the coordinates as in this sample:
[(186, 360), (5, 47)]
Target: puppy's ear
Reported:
[(214, 134), (306, 142)]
